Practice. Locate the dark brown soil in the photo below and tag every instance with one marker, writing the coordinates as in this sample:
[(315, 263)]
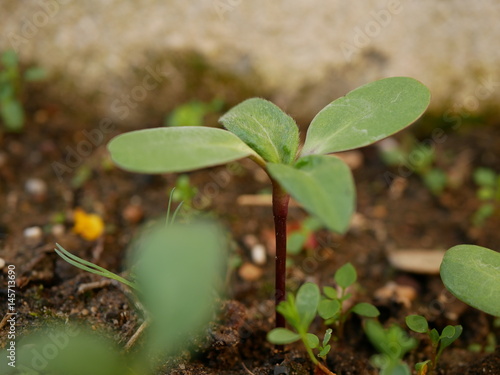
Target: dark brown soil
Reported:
[(404, 216)]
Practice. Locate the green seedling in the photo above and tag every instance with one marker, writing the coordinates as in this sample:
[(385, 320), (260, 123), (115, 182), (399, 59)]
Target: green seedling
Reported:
[(330, 307), (184, 192), (420, 158), (11, 86), (193, 113), (449, 334), (472, 274), (488, 192), (259, 130), (299, 312), (392, 343)]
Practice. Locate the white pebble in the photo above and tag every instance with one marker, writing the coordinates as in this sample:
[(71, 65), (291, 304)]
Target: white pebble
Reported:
[(33, 234), (2, 263), (258, 254), (35, 186), (58, 230)]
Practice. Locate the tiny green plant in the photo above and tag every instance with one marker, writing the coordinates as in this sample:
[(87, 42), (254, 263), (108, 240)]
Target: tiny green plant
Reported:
[(184, 192), (11, 85), (488, 193), (193, 113), (330, 307), (421, 158), (472, 274), (392, 343), (258, 129), (418, 323), (299, 312)]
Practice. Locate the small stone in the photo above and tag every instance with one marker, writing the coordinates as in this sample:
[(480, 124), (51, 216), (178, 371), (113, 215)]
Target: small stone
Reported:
[(250, 272), (417, 260), (133, 213), (258, 254), (403, 294), (33, 234), (85, 312), (36, 188), (58, 230), (2, 263)]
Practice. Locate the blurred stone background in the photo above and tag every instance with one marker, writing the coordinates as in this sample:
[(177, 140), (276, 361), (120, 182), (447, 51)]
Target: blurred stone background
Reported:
[(300, 54)]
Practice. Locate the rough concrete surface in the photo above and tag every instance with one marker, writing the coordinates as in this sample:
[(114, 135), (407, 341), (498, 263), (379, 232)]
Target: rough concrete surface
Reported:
[(302, 54)]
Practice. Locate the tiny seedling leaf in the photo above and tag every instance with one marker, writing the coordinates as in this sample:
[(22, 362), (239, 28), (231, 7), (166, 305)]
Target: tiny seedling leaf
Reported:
[(434, 335), (323, 185), (328, 308), (324, 351), (449, 335), (346, 275), (327, 337), (282, 336), (312, 340), (12, 114), (366, 310), (265, 128), (417, 323), (330, 292), (164, 150), (472, 274), (422, 367), (366, 115), (307, 303)]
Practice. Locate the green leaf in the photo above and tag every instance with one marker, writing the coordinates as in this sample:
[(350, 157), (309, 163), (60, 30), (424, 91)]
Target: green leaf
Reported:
[(417, 323), (346, 275), (265, 128), (323, 185), (164, 150), (449, 335), (330, 292), (366, 310), (307, 303), (366, 115), (177, 268), (434, 335), (281, 336), (485, 177), (35, 74), (325, 351), (312, 340), (328, 308), (422, 367), (327, 337), (472, 274), (12, 114), (9, 59)]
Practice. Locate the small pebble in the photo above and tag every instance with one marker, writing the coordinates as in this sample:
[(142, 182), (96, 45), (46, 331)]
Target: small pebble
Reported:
[(250, 272), (33, 234), (85, 312), (258, 254), (36, 188), (133, 213), (58, 230), (2, 263)]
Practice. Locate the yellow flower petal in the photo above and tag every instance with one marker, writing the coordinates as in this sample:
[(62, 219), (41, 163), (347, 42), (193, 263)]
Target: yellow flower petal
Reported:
[(88, 226)]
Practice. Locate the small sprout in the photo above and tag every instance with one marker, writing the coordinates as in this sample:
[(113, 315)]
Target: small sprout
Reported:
[(88, 226), (488, 192), (330, 307), (392, 343), (299, 312), (419, 324)]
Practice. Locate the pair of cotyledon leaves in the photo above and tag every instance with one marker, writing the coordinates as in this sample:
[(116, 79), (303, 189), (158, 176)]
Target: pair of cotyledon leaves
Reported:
[(260, 130)]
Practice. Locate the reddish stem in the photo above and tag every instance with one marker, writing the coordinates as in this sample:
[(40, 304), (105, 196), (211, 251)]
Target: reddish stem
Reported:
[(280, 212)]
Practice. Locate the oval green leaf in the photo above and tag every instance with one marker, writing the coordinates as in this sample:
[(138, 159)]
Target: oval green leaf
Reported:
[(346, 275), (366, 115), (306, 303), (417, 323), (472, 274), (164, 150), (312, 340), (265, 128), (282, 336), (328, 308), (366, 309), (323, 185)]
